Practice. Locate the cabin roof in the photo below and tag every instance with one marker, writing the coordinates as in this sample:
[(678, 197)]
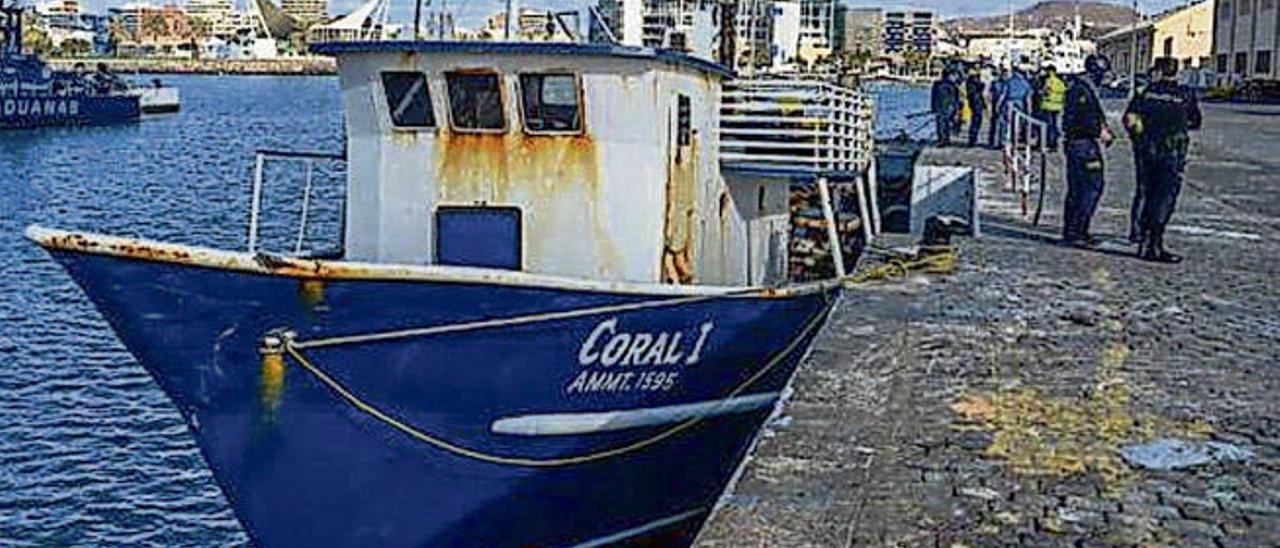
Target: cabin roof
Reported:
[(541, 48)]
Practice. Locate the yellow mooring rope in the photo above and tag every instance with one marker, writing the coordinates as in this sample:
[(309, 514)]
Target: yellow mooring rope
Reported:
[(931, 260), (292, 349)]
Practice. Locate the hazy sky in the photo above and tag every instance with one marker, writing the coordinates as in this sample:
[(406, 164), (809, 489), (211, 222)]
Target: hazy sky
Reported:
[(471, 13)]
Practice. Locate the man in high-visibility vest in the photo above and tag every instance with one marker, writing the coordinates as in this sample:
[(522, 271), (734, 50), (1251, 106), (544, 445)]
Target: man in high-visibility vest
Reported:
[(1053, 98)]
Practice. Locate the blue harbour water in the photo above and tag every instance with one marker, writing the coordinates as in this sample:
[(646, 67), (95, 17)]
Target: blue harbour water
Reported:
[(91, 452), (899, 109)]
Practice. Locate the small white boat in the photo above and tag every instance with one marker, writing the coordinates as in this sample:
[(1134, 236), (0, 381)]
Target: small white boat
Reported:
[(157, 98)]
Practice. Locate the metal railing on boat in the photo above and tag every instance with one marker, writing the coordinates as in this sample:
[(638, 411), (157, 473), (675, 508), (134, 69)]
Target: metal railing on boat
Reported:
[(309, 161), (790, 124), (811, 124)]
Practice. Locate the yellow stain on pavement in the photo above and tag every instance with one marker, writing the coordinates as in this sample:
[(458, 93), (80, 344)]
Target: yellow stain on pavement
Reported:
[(1102, 278), (1043, 435)]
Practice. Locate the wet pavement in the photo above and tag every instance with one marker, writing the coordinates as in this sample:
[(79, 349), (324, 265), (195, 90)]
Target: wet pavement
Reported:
[(1037, 395)]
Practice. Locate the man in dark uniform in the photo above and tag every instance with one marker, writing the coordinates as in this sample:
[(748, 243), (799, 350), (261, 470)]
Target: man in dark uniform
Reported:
[(1084, 127), (977, 95), (945, 103), (1135, 207), (1160, 118)]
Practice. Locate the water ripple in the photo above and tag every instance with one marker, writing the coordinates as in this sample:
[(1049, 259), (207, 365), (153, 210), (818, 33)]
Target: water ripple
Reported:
[(91, 452)]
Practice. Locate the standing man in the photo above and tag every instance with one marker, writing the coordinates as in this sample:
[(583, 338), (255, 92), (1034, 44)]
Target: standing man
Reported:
[(1161, 118), (944, 101), (1084, 127), (999, 110), (960, 122), (1018, 97), (1053, 97), (1135, 208), (977, 92)]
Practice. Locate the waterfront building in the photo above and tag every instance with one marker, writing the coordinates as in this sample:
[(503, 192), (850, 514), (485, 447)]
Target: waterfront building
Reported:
[(765, 33), (785, 34), (150, 30), (1184, 34), (859, 30), (306, 11), (530, 24), (817, 26), (762, 33), (209, 10), (1246, 40), (1007, 49), (59, 13), (65, 21), (693, 26), (753, 30), (910, 31), (216, 18)]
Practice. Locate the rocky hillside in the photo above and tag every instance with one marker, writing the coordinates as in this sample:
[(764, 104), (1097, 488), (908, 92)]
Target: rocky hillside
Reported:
[(1099, 18)]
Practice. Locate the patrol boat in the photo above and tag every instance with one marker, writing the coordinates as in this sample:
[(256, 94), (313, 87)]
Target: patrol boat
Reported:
[(34, 95), (558, 317)]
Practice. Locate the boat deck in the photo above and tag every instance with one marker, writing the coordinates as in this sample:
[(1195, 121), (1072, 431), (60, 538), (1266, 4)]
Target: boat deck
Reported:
[(992, 406)]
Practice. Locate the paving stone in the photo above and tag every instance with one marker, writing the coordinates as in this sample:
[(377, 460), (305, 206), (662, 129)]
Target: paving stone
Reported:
[(1189, 529)]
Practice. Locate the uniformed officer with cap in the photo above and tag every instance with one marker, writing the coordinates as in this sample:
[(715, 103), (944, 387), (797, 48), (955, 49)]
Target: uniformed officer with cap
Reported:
[(1159, 119), (1085, 129)]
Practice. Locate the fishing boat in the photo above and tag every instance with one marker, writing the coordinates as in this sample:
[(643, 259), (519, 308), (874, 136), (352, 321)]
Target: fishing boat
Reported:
[(559, 316), (32, 94)]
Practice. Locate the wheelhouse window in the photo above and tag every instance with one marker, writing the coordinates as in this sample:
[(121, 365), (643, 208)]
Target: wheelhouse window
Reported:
[(552, 103), (408, 99), (475, 102)]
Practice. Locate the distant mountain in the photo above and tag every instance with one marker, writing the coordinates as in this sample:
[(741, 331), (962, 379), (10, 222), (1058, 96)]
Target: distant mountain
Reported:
[(1098, 17)]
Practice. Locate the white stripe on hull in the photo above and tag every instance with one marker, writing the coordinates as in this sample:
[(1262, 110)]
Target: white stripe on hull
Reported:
[(637, 531), (566, 424)]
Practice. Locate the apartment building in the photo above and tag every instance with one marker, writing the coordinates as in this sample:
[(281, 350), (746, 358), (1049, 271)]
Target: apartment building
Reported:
[(910, 31), (1245, 39)]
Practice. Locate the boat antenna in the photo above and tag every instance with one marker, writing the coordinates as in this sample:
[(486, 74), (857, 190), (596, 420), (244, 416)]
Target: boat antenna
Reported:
[(1133, 50), (417, 18), (506, 35)]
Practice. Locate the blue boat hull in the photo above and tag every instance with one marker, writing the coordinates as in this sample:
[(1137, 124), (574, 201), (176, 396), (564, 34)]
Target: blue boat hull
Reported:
[(51, 110), (559, 432)]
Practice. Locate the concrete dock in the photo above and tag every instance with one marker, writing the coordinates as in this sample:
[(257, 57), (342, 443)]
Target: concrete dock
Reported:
[(1008, 403)]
